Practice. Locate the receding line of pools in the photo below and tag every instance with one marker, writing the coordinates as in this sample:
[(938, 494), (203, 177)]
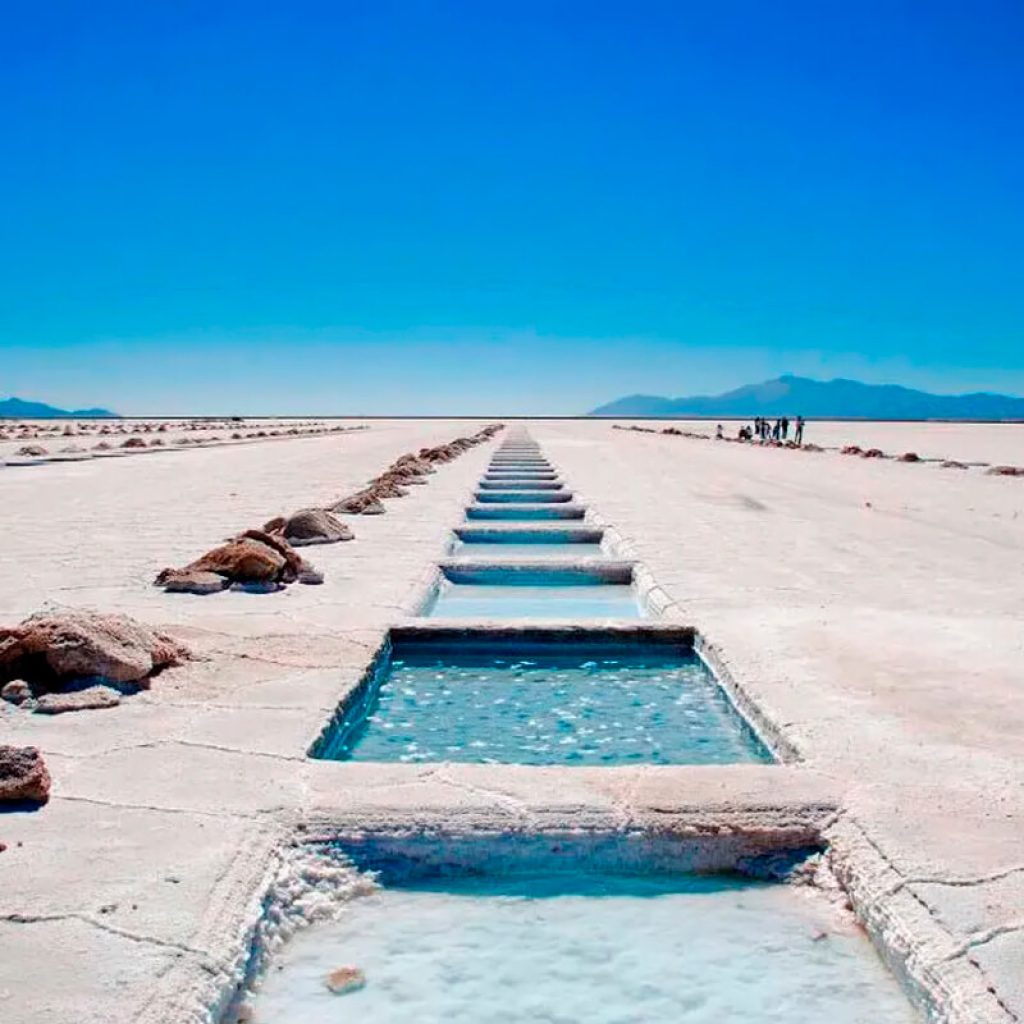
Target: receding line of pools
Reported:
[(651, 924)]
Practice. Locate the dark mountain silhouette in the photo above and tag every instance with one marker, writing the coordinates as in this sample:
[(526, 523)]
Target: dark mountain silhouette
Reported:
[(833, 399), (16, 408)]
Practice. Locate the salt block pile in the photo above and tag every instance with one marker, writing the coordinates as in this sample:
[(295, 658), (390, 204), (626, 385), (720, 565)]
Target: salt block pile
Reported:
[(265, 560), (75, 660)]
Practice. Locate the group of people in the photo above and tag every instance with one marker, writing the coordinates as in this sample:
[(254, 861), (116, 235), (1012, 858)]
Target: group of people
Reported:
[(764, 430)]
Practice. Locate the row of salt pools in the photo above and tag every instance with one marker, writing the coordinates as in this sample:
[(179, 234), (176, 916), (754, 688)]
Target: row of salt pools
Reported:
[(547, 930), (527, 552), (572, 682)]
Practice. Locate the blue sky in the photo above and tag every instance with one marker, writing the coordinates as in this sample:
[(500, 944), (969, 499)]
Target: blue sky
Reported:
[(505, 206)]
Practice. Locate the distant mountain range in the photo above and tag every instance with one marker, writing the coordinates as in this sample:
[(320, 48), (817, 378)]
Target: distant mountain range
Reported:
[(16, 408), (833, 399)]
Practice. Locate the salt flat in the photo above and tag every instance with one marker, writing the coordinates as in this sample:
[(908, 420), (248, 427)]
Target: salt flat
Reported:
[(875, 611), (993, 443), (872, 610)]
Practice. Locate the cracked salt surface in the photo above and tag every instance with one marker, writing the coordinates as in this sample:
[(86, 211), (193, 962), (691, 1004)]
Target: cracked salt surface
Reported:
[(601, 948)]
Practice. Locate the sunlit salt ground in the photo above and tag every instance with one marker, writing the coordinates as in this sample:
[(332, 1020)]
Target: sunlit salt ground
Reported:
[(547, 601), (603, 949), (549, 708)]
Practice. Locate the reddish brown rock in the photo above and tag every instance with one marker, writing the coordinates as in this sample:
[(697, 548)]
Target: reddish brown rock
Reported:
[(909, 457), (17, 691), (1005, 471), (49, 651), (415, 463), (91, 698), (363, 503), (32, 451), (134, 442), (873, 453), (23, 775), (953, 464), (191, 581), (310, 526), (387, 487), (241, 561), (852, 449), (254, 558)]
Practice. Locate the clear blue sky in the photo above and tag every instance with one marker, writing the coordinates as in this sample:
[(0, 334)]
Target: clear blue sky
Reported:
[(505, 206)]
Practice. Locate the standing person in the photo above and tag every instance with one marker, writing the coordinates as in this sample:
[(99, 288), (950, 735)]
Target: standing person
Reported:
[(798, 435), (785, 427), (776, 430)]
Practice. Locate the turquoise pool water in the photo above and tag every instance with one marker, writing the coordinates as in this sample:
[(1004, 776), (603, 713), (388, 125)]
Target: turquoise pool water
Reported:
[(523, 496), (525, 552), (519, 485), (594, 948), (544, 601), (542, 703), (558, 510)]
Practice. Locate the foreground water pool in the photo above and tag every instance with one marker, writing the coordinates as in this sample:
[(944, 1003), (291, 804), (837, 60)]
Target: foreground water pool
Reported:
[(543, 703), (594, 948)]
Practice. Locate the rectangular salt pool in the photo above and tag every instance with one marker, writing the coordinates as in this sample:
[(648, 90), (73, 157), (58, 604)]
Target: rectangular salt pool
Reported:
[(520, 593), (513, 699), (555, 510), (520, 485), (586, 946), (523, 496), (526, 545)]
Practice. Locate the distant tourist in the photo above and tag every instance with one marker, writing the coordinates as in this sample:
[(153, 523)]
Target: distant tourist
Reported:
[(719, 436), (785, 427), (776, 430), (798, 434)]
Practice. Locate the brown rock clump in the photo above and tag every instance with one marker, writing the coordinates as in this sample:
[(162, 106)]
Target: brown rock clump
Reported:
[(909, 457), (49, 651), (1005, 471), (362, 503), (23, 775), (310, 526), (387, 486), (90, 698), (255, 558)]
